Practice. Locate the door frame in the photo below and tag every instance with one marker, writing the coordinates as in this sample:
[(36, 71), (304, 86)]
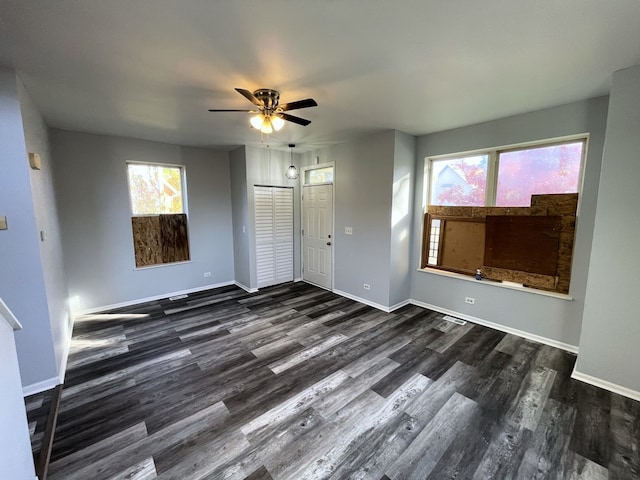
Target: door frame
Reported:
[(303, 171)]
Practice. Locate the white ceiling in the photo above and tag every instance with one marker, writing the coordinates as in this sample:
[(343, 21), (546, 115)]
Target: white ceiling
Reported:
[(151, 68)]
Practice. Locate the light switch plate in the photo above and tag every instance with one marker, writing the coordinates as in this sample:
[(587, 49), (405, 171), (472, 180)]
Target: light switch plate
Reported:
[(3, 223), (348, 230)]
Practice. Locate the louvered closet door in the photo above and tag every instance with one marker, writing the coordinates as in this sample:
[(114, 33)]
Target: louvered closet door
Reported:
[(274, 235)]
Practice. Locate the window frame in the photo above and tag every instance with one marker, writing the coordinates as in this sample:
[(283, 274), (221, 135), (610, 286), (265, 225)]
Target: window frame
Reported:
[(183, 185), (493, 164), (320, 166), (490, 201), (185, 213)]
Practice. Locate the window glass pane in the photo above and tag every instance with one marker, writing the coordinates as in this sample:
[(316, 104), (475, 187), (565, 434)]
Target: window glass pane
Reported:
[(522, 173), (155, 189), (434, 241), (459, 181), (319, 175)]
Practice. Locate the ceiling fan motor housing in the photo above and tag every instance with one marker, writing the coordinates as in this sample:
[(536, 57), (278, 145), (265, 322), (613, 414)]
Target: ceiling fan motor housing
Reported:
[(270, 98)]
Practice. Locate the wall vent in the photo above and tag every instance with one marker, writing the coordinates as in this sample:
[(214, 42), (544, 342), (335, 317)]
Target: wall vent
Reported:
[(455, 320), (178, 297)]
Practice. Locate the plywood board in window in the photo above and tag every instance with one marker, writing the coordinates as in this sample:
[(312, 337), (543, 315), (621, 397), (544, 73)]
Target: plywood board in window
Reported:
[(146, 240), (463, 245), (533, 280), (528, 244), (557, 203), (519, 211), (440, 210), (174, 238)]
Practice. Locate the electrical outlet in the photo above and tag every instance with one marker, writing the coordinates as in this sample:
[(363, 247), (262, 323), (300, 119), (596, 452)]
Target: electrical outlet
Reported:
[(348, 230), (469, 300), (367, 286), (207, 274)]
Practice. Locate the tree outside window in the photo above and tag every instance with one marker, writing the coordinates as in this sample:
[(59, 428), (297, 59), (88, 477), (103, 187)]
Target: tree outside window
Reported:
[(155, 189), (518, 174)]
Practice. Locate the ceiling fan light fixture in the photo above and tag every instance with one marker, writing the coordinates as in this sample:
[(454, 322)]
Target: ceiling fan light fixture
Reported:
[(256, 121), (277, 122), (266, 123), (266, 127), (270, 115)]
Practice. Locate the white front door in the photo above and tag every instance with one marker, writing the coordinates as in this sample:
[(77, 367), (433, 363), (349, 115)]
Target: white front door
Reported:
[(317, 238)]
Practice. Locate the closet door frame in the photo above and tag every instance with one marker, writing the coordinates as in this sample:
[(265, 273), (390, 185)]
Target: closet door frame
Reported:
[(274, 242)]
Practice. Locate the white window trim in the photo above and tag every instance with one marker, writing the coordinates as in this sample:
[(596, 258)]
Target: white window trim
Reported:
[(492, 170), (303, 171), (493, 167), (183, 181), (493, 283)]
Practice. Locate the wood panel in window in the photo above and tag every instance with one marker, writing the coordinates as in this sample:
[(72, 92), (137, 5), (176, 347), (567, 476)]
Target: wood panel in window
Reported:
[(462, 245), (146, 240), (523, 243), (159, 239)]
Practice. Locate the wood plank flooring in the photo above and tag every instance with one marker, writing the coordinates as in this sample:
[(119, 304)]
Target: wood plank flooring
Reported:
[(295, 382)]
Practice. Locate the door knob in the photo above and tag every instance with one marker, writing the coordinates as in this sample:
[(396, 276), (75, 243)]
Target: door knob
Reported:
[(328, 243)]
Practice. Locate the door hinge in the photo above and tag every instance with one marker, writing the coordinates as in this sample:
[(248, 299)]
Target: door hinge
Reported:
[(302, 231)]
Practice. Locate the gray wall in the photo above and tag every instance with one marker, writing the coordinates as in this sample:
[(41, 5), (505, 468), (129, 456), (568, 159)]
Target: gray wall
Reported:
[(363, 200), (240, 216), (266, 166), (611, 330), (402, 217), (22, 283), (553, 318), (91, 185), (51, 256)]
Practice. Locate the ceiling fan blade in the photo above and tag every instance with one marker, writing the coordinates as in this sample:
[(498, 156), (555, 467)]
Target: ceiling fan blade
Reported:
[(291, 118), (249, 96), (306, 103), (227, 110)]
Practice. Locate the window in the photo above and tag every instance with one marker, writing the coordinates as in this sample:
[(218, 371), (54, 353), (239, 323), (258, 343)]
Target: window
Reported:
[(318, 175), (434, 240), (158, 221), (155, 189), (538, 170), (506, 177), (508, 212), (459, 181)]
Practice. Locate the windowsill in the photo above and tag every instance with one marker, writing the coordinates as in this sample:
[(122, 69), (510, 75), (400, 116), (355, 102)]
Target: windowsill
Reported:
[(493, 283), (160, 265)]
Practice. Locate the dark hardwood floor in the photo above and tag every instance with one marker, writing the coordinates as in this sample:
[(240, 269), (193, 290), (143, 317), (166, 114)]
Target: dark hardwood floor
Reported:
[(295, 382)]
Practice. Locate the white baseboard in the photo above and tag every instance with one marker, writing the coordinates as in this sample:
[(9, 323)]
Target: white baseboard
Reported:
[(496, 326), (155, 297), (245, 288), (361, 300), (63, 363), (395, 307), (42, 386), (612, 387), (299, 279)]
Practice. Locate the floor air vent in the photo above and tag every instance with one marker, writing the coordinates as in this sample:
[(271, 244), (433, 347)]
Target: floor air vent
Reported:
[(454, 320)]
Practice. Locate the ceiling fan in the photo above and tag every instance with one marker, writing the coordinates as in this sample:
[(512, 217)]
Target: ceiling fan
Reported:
[(270, 114)]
